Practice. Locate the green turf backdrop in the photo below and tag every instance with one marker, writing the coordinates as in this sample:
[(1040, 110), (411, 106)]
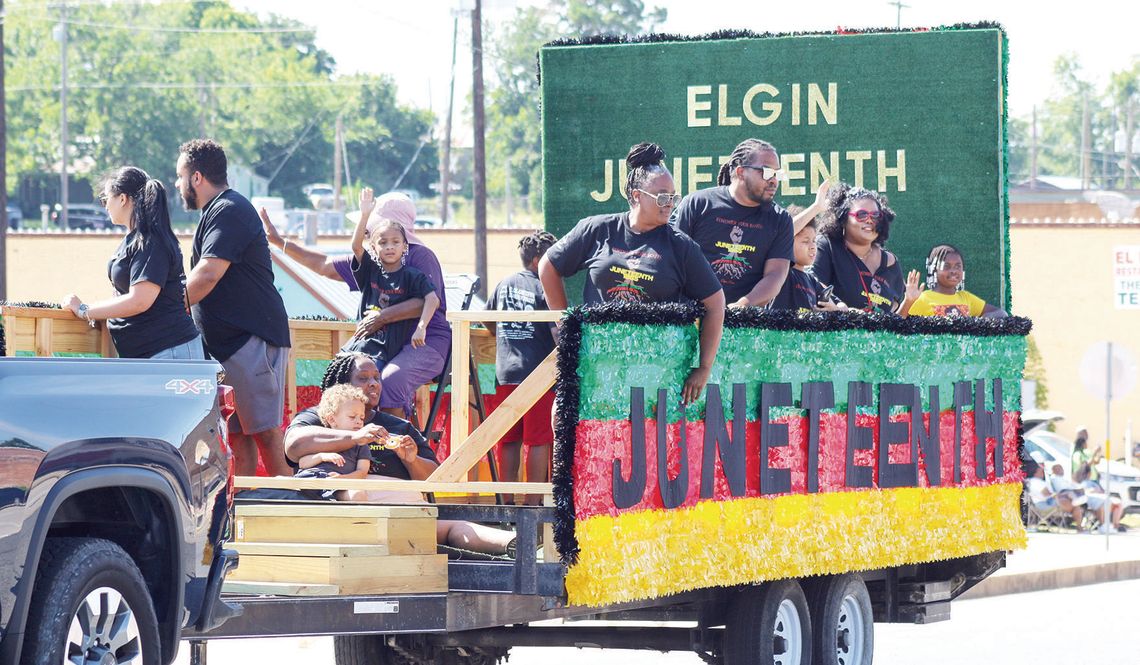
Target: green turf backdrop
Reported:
[(856, 101)]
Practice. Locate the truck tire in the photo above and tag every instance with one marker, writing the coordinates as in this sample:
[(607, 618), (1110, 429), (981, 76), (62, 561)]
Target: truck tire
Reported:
[(842, 623), (90, 605), (365, 650), (769, 624)]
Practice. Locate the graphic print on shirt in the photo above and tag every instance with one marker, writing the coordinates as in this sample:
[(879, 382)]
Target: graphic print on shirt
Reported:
[(630, 289), (875, 298), (383, 298), (733, 265), (952, 309), (517, 300)]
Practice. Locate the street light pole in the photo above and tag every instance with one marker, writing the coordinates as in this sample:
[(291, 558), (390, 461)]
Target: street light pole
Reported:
[(480, 175), (61, 35)]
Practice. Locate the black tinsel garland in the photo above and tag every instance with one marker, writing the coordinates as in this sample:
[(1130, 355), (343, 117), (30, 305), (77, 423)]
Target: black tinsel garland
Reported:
[(570, 341)]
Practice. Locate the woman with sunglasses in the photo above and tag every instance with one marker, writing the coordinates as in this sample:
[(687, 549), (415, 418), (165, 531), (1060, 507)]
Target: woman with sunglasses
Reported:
[(851, 256), (147, 317), (637, 256)]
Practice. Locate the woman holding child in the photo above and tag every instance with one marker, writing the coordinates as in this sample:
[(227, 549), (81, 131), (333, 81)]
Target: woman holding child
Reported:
[(397, 450), (637, 256)]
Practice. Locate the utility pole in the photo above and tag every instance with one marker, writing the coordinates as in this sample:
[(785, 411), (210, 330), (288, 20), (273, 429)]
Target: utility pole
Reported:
[(899, 6), (3, 172), (507, 186), (338, 201), (1033, 153), (445, 163), (1085, 175), (61, 35), (1129, 129), (480, 176)]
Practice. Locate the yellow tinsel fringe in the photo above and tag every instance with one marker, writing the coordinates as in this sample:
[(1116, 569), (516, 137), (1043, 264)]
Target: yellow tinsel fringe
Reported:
[(650, 554)]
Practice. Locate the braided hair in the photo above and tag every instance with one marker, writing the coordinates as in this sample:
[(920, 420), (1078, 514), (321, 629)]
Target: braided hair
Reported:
[(934, 263), (340, 369), (533, 246), (839, 201), (645, 162), (741, 155)]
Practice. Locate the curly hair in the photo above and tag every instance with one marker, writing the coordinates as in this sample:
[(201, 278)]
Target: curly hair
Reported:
[(741, 155), (340, 369), (645, 162), (336, 397), (533, 246), (839, 201), (207, 157)]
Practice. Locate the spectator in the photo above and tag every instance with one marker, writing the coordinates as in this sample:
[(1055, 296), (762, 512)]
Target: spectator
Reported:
[(520, 347), (1096, 501), (385, 280), (235, 304), (637, 256), (1083, 463), (1045, 499), (412, 459), (147, 318), (946, 293), (852, 256)]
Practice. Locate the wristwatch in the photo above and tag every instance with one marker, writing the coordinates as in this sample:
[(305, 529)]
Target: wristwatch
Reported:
[(83, 309)]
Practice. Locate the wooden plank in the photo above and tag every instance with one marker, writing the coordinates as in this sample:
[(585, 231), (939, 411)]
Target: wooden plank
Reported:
[(330, 509), (477, 487), (297, 324), (44, 328), (399, 536), (383, 574), (9, 334), (501, 420), (503, 315), (549, 551), (245, 588), (330, 550), (21, 333), (309, 344), (74, 336), (291, 374), (460, 381)]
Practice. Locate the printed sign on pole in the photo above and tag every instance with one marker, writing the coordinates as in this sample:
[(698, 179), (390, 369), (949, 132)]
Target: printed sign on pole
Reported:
[(1126, 276)]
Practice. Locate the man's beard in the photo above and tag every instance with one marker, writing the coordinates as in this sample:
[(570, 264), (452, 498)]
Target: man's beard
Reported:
[(189, 199)]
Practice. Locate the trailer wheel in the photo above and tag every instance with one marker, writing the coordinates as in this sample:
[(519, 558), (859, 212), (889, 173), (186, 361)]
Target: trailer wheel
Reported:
[(769, 624), (90, 605), (842, 622), (365, 650)]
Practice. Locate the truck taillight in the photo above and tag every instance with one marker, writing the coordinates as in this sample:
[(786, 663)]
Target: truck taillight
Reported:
[(227, 408)]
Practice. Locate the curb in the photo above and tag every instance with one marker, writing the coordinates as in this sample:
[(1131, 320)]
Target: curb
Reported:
[(1058, 578)]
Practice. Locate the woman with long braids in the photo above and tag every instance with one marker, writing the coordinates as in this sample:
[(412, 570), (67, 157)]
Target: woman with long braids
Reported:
[(398, 451), (946, 293), (852, 255), (148, 318), (637, 256)]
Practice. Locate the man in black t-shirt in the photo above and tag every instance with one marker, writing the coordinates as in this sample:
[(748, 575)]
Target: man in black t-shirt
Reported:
[(236, 306), (743, 234)]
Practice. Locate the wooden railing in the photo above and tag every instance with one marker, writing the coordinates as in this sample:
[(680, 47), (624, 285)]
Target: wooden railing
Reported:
[(44, 332)]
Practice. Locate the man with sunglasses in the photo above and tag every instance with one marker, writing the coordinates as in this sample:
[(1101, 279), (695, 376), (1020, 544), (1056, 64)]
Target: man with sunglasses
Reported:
[(743, 234)]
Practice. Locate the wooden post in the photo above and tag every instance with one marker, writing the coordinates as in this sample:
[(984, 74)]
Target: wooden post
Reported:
[(44, 327), (460, 379)]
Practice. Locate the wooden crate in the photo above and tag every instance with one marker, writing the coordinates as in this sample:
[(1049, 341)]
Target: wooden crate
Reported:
[(330, 549)]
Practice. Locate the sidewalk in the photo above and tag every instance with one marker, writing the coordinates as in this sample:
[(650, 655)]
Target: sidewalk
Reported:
[(1057, 560)]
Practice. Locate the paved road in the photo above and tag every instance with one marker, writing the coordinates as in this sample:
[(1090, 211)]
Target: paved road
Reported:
[(1042, 628)]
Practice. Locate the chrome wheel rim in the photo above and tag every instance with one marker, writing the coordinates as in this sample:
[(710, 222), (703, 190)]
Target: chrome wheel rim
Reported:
[(787, 645), (849, 643), (103, 631)]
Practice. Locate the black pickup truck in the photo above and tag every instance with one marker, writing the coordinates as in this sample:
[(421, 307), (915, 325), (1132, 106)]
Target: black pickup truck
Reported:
[(115, 500)]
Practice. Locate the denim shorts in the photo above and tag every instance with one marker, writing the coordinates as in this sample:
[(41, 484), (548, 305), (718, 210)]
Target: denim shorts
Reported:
[(191, 350)]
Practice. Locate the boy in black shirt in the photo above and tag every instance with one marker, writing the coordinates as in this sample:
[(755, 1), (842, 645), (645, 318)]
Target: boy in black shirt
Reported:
[(520, 347), (801, 290)]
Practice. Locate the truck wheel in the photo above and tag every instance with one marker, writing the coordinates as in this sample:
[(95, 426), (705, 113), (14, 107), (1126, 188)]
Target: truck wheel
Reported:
[(90, 605), (365, 650), (769, 624), (842, 622)]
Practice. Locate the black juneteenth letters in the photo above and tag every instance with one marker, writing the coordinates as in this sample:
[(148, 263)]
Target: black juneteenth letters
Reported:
[(922, 437)]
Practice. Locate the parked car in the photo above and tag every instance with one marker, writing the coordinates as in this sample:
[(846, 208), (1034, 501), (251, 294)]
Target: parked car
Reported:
[(428, 222), (83, 216), (322, 196), (1047, 448), (15, 216)]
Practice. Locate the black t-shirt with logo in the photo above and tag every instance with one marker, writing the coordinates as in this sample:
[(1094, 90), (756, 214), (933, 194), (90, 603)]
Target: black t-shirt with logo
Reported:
[(836, 265), (800, 291), (165, 323), (379, 289), (244, 302), (520, 345), (660, 265), (384, 462), (737, 240)]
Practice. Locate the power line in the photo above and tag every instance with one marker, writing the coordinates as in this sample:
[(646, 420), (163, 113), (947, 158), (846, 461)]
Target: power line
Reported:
[(189, 30)]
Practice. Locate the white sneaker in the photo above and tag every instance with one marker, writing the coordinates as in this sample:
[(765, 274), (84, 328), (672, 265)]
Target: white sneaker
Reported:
[(1104, 528)]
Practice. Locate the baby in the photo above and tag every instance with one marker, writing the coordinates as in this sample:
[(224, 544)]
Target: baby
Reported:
[(343, 407)]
